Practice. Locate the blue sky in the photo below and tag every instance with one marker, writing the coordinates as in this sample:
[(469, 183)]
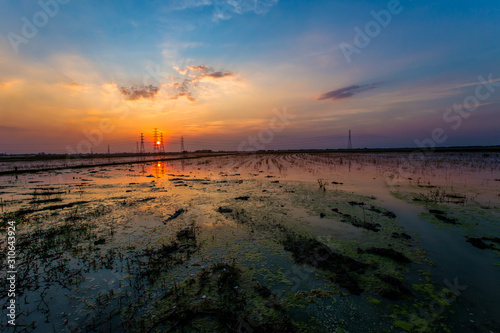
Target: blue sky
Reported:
[(219, 69)]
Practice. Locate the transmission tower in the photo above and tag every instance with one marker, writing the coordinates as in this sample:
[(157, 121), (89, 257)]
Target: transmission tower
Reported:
[(142, 150), (156, 142), (182, 144), (162, 144), (108, 150), (349, 143)]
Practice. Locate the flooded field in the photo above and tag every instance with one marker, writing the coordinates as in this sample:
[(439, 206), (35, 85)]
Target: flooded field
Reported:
[(32, 163), (283, 242)]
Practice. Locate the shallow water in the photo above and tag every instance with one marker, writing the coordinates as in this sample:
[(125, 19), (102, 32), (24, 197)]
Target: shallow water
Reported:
[(118, 216)]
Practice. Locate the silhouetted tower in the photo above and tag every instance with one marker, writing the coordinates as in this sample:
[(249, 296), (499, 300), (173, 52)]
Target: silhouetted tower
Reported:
[(156, 141), (108, 150), (142, 150), (182, 144), (162, 144), (349, 143)]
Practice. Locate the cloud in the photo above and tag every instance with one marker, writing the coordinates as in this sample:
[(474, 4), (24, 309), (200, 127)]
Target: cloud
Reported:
[(347, 92), (135, 93), (183, 89), (218, 75), (185, 4), (201, 71), (225, 9), (180, 71), (200, 68), (195, 76), (489, 80), (6, 85), (10, 128)]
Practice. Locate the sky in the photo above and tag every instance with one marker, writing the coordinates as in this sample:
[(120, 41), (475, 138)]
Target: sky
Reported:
[(79, 76)]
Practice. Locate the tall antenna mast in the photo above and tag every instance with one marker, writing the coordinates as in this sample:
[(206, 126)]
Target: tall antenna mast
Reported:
[(182, 144), (349, 143)]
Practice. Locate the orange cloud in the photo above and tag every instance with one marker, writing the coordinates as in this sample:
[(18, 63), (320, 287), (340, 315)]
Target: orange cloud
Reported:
[(195, 74), (6, 85)]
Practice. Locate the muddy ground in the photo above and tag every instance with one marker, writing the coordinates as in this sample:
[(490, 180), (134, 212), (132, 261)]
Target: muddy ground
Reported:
[(324, 242)]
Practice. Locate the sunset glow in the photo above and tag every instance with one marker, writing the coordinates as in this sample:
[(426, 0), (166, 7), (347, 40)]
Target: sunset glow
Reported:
[(250, 166), (214, 74)]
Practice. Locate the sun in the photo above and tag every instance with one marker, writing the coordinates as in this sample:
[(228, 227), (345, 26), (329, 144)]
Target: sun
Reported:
[(158, 142)]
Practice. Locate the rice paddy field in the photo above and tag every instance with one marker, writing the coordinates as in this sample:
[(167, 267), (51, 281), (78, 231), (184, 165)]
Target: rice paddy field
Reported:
[(274, 242)]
